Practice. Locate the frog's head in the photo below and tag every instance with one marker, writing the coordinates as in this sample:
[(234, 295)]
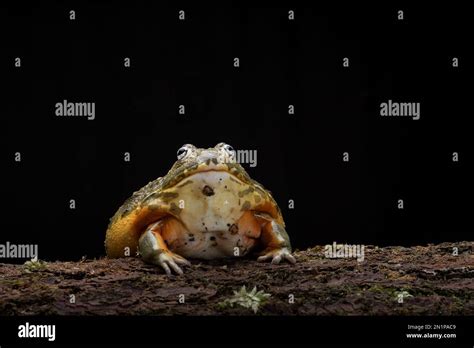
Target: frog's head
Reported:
[(192, 160)]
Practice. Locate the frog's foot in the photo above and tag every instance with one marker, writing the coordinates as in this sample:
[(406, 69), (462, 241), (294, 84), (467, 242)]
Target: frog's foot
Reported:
[(274, 239), (153, 250), (170, 261), (276, 255)]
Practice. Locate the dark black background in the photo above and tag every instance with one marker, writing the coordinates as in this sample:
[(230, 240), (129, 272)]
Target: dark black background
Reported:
[(282, 62)]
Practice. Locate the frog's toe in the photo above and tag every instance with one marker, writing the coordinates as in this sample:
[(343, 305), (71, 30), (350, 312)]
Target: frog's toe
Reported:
[(170, 261), (277, 255)]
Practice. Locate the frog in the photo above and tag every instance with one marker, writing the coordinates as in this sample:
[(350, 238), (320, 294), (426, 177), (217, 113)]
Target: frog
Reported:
[(206, 207)]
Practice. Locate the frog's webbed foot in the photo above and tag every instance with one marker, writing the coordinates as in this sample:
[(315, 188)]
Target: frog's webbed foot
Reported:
[(276, 255), (153, 250), (275, 240)]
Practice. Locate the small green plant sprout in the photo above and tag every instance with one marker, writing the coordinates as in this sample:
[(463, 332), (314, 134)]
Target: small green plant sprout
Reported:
[(34, 265), (252, 300)]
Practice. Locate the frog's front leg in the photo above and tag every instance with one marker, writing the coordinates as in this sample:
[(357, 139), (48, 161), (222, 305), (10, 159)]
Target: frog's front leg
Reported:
[(274, 239), (153, 249)]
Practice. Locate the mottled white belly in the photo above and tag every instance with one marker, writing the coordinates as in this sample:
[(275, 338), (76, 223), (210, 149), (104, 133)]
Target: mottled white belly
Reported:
[(211, 209), (213, 245)]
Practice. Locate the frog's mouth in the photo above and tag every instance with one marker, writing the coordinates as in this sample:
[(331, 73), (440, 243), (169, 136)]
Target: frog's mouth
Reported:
[(233, 169), (210, 175)]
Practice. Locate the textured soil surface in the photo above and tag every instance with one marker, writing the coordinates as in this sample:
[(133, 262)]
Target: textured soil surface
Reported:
[(429, 279)]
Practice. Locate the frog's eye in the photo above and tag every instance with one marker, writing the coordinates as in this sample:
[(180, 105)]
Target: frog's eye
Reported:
[(229, 149), (182, 152)]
